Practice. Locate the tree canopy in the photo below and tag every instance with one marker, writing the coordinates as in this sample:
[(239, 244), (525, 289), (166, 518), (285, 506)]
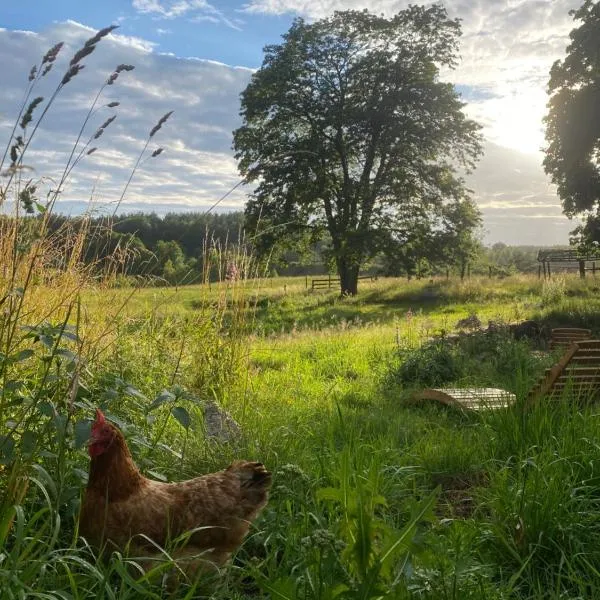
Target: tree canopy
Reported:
[(348, 129), (573, 122)]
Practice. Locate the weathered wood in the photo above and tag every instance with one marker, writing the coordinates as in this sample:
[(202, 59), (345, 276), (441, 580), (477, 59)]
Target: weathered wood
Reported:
[(567, 375), (564, 336), (549, 380), (568, 330), (467, 398)]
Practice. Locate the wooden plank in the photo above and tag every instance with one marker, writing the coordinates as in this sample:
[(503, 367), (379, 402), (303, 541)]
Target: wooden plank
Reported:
[(589, 344), (567, 330), (547, 382), (586, 360), (577, 370), (467, 398)]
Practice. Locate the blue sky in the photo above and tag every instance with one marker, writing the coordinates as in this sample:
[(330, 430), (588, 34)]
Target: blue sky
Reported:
[(225, 33), (195, 57)]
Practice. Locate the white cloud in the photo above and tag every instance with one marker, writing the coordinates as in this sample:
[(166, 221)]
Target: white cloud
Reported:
[(197, 165), (511, 189), (507, 49), (195, 10)]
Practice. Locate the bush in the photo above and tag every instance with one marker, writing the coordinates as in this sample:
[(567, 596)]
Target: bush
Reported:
[(433, 364)]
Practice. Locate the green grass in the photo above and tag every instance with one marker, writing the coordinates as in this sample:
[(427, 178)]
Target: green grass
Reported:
[(371, 497)]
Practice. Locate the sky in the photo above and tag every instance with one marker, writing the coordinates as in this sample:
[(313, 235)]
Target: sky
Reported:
[(195, 58)]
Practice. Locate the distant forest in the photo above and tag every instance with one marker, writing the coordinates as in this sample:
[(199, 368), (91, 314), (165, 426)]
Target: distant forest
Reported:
[(181, 248)]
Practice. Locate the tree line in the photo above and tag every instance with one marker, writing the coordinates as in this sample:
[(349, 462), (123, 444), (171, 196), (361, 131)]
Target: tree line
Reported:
[(186, 248)]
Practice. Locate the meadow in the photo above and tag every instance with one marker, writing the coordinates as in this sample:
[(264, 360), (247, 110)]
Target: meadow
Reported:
[(372, 497)]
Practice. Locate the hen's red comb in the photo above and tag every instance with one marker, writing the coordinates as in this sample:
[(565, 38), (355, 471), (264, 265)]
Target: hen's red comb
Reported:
[(100, 419)]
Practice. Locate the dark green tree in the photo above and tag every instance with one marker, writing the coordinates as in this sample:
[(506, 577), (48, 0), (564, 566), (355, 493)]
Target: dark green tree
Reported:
[(456, 242), (573, 122), (346, 126)]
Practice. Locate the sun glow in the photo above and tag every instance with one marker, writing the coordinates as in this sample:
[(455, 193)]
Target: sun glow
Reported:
[(514, 120)]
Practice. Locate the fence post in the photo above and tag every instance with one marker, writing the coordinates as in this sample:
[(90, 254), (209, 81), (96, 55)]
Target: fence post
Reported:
[(490, 272), (306, 282), (539, 271), (582, 269), (329, 280), (594, 268)]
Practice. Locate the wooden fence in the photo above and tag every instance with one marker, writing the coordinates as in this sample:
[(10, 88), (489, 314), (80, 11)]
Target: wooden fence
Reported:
[(329, 282)]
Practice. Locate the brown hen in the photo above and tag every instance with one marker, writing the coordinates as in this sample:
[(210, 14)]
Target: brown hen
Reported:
[(120, 504)]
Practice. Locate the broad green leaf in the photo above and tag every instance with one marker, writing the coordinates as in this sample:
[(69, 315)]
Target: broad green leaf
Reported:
[(131, 391), (82, 432), (164, 396), (182, 415), (22, 355), (28, 442)]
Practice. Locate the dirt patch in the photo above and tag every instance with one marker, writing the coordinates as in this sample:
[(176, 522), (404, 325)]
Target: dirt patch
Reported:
[(457, 499)]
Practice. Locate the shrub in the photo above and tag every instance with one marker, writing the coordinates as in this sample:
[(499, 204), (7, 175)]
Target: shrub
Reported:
[(432, 364)]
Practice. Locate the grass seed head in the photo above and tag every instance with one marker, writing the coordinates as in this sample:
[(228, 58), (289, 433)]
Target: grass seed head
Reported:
[(72, 72), (160, 123), (157, 152), (32, 73), (108, 122), (51, 55), (98, 36), (81, 54), (28, 116)]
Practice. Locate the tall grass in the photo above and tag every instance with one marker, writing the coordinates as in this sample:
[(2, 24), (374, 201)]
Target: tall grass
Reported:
[(61, 356), (371, 499)]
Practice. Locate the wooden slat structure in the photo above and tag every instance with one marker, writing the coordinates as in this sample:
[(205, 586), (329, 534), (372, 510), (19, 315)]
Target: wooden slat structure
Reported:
[(568, 256), (468, 398), (562, 337), (576, 373)]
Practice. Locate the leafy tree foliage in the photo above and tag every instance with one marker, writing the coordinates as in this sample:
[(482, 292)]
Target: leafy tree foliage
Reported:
[(172, 249), (348, 129), (573, 122)]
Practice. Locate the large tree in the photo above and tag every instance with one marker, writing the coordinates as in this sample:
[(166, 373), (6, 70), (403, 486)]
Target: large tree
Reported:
[(573, 122), (348, 128)]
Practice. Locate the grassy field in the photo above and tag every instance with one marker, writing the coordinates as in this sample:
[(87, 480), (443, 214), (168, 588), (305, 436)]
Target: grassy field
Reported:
[(371, 497)]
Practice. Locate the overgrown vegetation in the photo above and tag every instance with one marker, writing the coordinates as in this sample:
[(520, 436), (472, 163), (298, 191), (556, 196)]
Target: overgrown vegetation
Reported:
[(372, 498)]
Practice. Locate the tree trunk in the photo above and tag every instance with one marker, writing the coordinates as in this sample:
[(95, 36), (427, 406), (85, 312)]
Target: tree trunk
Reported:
[(348, 278), (463, 269)]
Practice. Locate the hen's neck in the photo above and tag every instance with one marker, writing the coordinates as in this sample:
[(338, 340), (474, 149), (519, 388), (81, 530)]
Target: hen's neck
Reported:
[(113, 474)]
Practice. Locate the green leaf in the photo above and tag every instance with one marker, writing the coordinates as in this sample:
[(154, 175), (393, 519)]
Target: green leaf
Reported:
[(21, 356), (82, 431), (7, 448), (182, 415), (281, 589), (66, 354), (135, 393), (28, 442), (330, 494), (164, 396), (157, 475), (47, 409)]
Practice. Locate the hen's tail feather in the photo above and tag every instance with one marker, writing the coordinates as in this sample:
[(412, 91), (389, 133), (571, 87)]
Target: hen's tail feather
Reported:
[(253, 475)]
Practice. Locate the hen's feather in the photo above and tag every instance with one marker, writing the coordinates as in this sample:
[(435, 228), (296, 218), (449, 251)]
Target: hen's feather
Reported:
[(121, 504)]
